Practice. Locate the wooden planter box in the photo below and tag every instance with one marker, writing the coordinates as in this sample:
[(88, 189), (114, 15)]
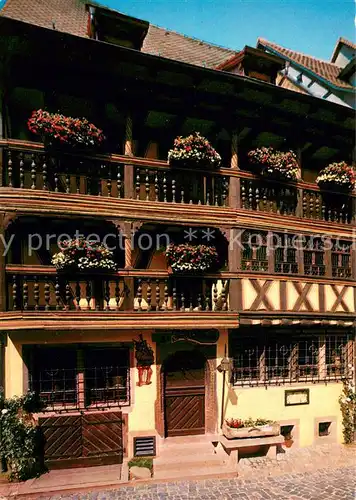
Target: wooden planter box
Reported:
[(253, 432)]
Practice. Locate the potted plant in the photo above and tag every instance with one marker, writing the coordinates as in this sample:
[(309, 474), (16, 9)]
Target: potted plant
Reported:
[(144, 359), (275, 164), (191, 258), (58, 130), (337, 177), (80, 254), (237, 428), (193, 151)]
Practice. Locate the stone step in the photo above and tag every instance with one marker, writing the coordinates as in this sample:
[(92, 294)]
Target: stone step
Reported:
[(198, 438), (184, 472), (170, 450), (188, 461)]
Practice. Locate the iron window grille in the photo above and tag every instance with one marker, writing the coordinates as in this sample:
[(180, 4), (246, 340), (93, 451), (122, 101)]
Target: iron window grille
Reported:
[(88, 385), (277, 360), (285, 256), (254, 253), (341, 259), (314, 257)]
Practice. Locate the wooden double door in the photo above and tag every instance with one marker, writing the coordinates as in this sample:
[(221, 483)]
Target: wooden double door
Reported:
[(184, 394), (82, 440)]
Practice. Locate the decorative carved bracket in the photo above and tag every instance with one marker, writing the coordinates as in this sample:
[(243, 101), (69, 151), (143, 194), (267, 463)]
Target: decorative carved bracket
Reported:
[(7, 218), (126, 227)]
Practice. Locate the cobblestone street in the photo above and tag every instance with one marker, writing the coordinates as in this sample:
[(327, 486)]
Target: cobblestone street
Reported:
[(338, 484)]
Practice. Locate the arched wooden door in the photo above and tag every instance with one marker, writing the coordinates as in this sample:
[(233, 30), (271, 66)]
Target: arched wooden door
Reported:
[(184, 393)]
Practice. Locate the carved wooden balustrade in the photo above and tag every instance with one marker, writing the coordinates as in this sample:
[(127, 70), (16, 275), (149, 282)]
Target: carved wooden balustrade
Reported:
[(63, 173), (28, 166), (268, 196), (181, 186), (51, 291), (331, 207), (265, 196), (104, 176)]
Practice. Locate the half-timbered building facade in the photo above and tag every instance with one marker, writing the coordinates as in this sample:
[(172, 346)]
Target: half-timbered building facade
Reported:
[(269, 334)]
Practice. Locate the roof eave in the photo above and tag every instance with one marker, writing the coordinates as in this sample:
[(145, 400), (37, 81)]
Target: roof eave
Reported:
[(137, 56), (308, 70)]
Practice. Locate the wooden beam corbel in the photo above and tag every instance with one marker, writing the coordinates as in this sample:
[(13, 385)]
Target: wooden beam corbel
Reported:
[(127, 229)]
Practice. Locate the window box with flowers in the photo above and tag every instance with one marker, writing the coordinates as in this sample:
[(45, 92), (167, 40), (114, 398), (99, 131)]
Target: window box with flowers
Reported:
[(274, 164), (337, 177), (57, 130), (83, 255), (193, 151), (185, 258), (236, 428)]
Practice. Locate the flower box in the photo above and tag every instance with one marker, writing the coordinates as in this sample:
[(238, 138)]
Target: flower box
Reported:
[(272, 429), (274, 164), (338, 177), (187, 258), (58, 130), (84, 256), (194, 152)]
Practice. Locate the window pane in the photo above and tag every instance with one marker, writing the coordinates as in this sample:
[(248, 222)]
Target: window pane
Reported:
[(53, 374), (106, 375)]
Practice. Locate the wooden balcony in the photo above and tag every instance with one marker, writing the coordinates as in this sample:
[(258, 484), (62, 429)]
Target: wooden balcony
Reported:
[(27, 167), (41, 288), (38, 297)]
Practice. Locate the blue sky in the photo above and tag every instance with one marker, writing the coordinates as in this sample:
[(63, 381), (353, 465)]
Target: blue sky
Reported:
[(310, 26)]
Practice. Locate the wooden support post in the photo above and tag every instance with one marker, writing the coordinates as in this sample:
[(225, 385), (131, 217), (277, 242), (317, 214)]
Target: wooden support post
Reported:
[(234, 184), (353, 256), (299, 208), (234, 265), (270, 252), (299, 160), (327, 256), (2, 136), (5, 219), (80, 379), (129, 169), (3, 465), (353, 212), (300, 259), (127, 230)]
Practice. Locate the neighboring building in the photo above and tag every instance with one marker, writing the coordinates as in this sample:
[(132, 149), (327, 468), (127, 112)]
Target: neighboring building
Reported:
[(285, 317), (333, 80)]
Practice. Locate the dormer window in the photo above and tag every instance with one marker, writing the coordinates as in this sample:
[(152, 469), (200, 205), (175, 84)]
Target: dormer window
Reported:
[(112, 27)]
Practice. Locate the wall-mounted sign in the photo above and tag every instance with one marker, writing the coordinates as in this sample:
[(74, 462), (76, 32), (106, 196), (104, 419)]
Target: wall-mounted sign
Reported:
[(296, 397)]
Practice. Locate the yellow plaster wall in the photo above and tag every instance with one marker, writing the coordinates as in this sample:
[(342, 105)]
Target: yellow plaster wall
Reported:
[(254, 402), (142, 416), (14, 368)]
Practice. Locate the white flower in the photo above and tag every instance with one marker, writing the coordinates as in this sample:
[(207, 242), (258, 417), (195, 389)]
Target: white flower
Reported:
[(4, 411)]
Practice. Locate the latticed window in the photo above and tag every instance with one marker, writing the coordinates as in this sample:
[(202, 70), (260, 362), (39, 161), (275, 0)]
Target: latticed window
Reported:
[(71, 378), (285, 254), (254, 253), (341, 259), (314, 257), (290, 357)]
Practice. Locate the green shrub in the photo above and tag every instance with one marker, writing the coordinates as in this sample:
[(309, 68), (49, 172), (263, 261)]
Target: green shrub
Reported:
[(141, 462), (20, 437)]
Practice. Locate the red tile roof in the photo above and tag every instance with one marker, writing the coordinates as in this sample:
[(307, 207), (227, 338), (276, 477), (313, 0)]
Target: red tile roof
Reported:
[(71, 16), (324, 69), (173, 45)]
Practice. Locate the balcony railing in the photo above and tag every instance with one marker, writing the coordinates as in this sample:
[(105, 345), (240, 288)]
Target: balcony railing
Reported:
[(27, 166), (115, 293)]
